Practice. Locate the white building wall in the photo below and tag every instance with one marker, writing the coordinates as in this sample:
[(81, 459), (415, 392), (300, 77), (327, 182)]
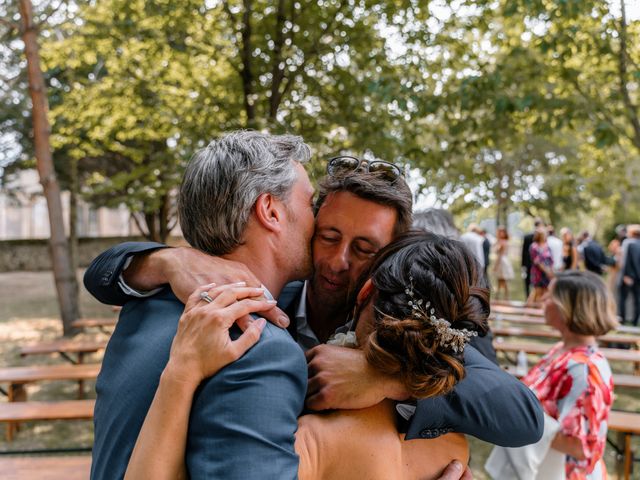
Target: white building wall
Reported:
[(24, 213)]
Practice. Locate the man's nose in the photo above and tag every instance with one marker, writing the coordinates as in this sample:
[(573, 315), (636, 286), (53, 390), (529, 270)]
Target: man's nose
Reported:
[(339, 261)]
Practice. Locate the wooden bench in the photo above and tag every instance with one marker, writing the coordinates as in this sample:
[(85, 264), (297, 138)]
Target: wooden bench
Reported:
[(611, 354), (607, 339), (101, 323), (16, 377), (533, 312), (76, 467), (12, 412), (64, 347), (514, 303), (498, 318), (524, 314), (628, 329), (626, 424), (619, 379)]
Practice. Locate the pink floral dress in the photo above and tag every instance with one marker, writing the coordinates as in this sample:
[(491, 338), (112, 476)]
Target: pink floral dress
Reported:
[(576, 388)]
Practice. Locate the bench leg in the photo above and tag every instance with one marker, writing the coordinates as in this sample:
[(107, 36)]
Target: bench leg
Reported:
[(15, 393), (628, 456), (9, 434), (80, 389)]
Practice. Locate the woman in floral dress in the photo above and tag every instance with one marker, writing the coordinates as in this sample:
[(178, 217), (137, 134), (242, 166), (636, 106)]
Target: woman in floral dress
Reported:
[(541, 266), (573, 381)]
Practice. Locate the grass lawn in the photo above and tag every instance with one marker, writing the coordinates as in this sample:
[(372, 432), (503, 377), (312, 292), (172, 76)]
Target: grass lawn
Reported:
[(29, 314)]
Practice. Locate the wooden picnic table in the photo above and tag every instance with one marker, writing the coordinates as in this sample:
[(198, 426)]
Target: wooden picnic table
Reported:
[(609, 338), (512, 318), (74, 467), (101, 323), (612, 354), (628, 329), (619, 379), (12, 412), (64, 347), (497, 319), (515, 303), (534, 312), (626, 424), (16, 377)]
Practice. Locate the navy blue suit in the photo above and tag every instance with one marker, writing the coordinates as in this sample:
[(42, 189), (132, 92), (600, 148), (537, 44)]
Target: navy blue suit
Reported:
[(488, 404), (595, 258), (250, 406)]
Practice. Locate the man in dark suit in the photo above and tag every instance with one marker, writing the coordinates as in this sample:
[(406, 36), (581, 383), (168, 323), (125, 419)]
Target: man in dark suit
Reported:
[(252, 405), (357, 214), (527, 240), (630, 273), (593, 255)]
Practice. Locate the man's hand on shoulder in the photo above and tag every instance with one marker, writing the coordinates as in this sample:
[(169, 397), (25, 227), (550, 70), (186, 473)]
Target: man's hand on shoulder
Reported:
[(341, 378), (454, 471), (185, 269)]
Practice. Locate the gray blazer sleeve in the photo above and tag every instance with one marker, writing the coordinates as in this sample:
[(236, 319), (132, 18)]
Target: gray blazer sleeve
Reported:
[(101, 278), (488, 403), (243, 419)]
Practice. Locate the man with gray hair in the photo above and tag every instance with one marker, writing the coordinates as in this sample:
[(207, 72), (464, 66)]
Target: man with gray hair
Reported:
[(245, 197)]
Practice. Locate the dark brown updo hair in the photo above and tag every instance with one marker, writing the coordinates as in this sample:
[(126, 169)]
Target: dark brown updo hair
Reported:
[(440, 271)]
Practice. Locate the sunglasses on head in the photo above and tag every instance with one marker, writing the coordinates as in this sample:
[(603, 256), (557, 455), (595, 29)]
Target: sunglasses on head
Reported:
[(347, 164)]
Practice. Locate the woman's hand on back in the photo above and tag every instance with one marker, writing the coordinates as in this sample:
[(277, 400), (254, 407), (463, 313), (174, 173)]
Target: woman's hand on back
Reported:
[(202, 345)]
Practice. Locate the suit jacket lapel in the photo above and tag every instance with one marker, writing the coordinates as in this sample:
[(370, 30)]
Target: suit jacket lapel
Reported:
[(288, 301)]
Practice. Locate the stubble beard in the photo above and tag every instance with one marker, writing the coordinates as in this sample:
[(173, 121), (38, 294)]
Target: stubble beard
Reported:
[(331, 303)]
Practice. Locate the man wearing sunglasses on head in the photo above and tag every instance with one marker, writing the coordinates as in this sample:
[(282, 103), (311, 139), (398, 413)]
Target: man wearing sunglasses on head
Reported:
[(362, 205)]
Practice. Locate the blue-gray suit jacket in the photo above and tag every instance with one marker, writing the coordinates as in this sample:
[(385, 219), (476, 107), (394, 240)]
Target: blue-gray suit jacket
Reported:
[(242, 421)]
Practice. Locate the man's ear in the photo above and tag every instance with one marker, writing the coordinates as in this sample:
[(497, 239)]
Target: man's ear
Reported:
[(365, 292), (268, 211)]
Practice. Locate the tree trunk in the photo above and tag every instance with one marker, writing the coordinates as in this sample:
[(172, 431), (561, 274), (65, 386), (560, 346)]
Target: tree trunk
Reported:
[(246, 72), (164, 219), (65, 278), (277, 69), (632, 110), (73, 213), (151, 219)]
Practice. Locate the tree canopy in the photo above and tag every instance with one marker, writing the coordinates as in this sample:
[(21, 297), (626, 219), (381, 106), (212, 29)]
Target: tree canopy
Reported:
[(527, 105)]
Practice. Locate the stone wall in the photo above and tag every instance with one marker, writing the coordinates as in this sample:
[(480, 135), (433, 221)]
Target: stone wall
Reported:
[(33, 255)]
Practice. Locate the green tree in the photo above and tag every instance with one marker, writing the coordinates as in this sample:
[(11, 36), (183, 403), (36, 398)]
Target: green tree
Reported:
[(536, 100), (63, 271), (144, 83)]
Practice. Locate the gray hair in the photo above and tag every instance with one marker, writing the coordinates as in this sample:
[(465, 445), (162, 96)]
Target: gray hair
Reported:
[(223, 181), (436, 221)]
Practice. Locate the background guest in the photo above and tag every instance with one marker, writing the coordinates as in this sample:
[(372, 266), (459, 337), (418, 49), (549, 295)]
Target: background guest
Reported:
[(593, 255), (473, 240), (573, 381), (555, 245), (502, 268), (541, 266), (569, 250), (526, 256), (630, 274)]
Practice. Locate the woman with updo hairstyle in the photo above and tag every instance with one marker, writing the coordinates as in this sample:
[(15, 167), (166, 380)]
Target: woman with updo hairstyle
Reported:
[(419, 303), (573, 381), (416, 286)]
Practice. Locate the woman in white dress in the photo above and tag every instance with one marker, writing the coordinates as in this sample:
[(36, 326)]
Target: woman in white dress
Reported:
[(503, 269)]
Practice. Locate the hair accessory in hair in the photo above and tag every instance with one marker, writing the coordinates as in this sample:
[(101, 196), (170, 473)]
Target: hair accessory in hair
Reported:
[(447, 336)]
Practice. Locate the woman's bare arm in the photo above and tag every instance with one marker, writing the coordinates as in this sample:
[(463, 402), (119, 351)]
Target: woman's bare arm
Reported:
[(569, 445), (159, 450)]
